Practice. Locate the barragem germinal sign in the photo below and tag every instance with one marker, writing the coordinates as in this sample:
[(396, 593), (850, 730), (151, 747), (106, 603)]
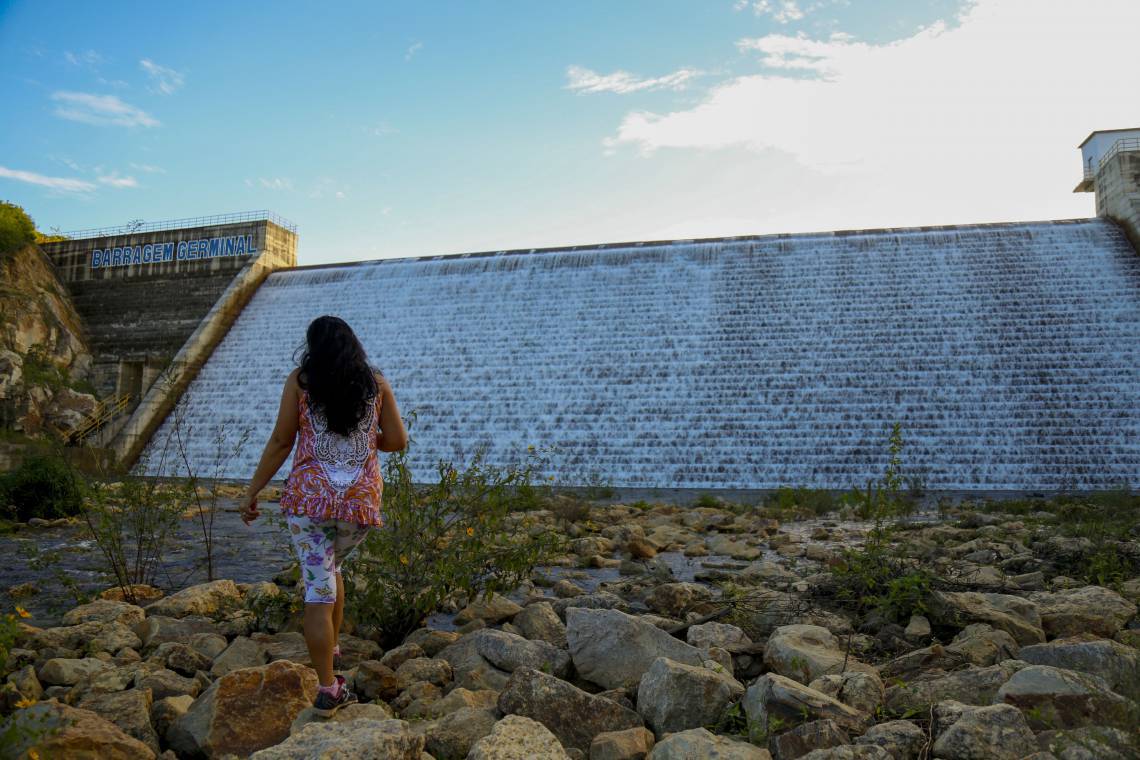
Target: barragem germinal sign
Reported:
[(182, 250)]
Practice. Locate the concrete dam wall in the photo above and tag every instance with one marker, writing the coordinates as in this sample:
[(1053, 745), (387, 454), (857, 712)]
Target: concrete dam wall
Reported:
[(1007, 352)]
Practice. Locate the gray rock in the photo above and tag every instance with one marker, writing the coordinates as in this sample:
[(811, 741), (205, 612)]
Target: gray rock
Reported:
[(165, 711), (675, 599), (806, 737), (721, 635), (431, 640), (1056, 698), (599, 600), (213, 599), (1089, 743), (806, 652), (166, 683), (518, 738), (702, 743), (775, 696), (64, 671), (129, 710), (494, 610), (394, 658), (460, 698), (630, 744), (209, 644), (675, 697), (470, 669), (1018, 617), (614, 649), (181, 658), (26, 682), (427, 669), (346, 714), (571, 714), (901, 738), (355, 740), (849, 752), (452, 736), (105, 611), (996, 732), (1117, 664), (509, 652), (1091, 609), (539, 622), (241, 653), (863, 691), (376, 681), (159, 629), (972, 686)]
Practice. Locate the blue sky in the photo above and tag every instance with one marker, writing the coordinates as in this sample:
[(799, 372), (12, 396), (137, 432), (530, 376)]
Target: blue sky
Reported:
[(401, 129)]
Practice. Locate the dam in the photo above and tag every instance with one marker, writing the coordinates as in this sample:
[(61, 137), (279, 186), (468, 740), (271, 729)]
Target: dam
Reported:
[(1007, 352)]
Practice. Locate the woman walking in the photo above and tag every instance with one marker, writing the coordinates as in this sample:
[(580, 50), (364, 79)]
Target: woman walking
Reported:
[(344, 411)]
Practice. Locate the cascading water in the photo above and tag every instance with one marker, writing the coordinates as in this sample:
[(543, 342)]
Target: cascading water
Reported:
[(1008, 353)]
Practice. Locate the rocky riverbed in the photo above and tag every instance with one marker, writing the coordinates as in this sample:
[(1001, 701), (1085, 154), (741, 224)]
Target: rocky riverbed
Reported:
[(666, 632)]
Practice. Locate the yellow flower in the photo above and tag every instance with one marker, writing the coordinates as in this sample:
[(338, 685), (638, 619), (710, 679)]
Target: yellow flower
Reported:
[(33, 755), (25, 702), (530, 447), (471, 531), (403, 559), (22, 612)]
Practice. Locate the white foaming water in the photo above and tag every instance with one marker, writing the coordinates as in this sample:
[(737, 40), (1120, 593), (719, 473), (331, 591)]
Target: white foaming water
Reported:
[(1007, 352)]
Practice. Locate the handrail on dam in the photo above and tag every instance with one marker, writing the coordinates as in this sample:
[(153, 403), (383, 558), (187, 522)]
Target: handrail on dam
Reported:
[(1123, 145), (179, 224)]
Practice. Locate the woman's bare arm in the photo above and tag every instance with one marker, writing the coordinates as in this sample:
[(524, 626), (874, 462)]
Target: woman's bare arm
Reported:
[(393, 436), (280, 442)]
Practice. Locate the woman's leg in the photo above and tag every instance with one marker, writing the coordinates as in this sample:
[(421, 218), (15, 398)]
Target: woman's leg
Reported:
[(315, 544), (320, 637), (338, 609)]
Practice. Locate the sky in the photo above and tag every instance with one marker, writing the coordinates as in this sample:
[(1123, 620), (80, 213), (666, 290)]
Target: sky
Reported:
[(390, 129)]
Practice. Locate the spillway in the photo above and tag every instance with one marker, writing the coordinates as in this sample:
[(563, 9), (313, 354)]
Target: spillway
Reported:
[(1008, 353)]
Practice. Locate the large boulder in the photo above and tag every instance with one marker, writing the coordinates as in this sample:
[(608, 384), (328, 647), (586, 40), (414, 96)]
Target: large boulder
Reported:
[(51, 730), (863, 691), (470, 669), (972, 686), (1092, 609), (181, 658), (518, 738), (67, 671), (630, 744), (807, 737), (452, 736), (375, 680), (364, 739), (1056, 698), (104, 611), (675, 697), (775, 696), (995, 732), (213, 600), (723, 635), (806, 652), (494, 610), (539, 622), (675, 599), (245, 710), (901, 738), (242, 652), (160, 629), (166, 683), (702, 743), (1117, 664), (1018, 617), (91, 637), (509, 652), (613, 649), (129, 710), (346, 714), (977, 644), (571, 714)]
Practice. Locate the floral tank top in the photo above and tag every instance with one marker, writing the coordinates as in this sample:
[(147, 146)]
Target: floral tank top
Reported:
[(335, 477)]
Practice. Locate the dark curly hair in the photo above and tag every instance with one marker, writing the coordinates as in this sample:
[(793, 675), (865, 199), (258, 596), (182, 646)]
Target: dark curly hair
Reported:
[(336, 373)]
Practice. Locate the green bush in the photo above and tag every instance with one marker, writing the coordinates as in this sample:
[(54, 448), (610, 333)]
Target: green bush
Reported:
[(16, 228), (874, 579), (462, 538), (44, 486)]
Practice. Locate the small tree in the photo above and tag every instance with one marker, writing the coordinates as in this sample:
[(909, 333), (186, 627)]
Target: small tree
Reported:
[(461, 537), (16, 228)]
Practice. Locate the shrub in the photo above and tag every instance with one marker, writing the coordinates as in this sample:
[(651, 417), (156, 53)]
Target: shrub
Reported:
[(456, 539), (16, 228), (44, 486), (874, 578)]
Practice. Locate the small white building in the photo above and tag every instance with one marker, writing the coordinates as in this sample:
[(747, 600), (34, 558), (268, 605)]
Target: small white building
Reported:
[(1100, 144)]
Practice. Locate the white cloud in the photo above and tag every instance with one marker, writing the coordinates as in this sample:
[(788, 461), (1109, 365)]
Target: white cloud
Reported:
[(148, 168), (163, 80), (414, 48), (115, 180), (88, 58), (100, 110), (382, 129), (64, 184), (584, 81), (781, 10), (952, 124), (275, 183)]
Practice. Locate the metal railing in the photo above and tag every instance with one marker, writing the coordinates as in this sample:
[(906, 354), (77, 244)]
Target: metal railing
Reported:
[(181, 224), (106, 411), (1123, 145)]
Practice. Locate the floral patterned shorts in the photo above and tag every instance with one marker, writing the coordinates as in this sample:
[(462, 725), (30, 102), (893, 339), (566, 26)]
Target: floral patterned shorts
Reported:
[(322, 547)]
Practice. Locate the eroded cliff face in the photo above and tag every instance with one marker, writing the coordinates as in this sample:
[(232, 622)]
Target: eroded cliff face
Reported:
[(44, 358)]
